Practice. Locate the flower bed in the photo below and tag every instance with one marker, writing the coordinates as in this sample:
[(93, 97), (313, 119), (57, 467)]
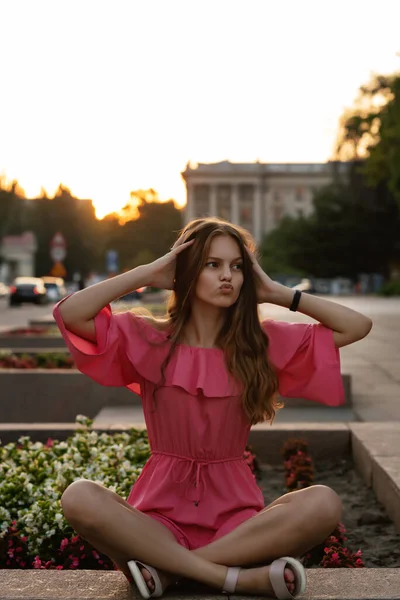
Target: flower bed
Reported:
[(299, 474), (33, 476), (37, 360)]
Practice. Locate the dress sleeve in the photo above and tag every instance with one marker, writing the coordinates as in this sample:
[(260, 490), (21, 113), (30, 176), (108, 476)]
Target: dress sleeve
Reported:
[(307, 361), (106, 360)]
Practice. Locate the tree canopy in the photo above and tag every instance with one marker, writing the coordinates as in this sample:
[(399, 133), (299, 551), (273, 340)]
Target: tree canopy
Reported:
[(371, 130)]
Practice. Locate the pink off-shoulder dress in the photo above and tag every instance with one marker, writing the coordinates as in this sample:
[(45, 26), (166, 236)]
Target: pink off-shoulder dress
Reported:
[(196, 481)]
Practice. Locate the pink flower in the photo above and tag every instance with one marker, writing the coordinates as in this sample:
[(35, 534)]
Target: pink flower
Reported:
[(64, 543)]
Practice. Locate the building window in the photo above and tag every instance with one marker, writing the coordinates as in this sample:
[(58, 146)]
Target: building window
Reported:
[(201, 200), (277, 213), (278, 196), (224, 202), (299, 194), (246, 199)]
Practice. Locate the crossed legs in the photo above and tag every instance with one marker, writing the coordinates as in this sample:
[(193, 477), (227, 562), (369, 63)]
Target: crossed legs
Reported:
[(290, 526)]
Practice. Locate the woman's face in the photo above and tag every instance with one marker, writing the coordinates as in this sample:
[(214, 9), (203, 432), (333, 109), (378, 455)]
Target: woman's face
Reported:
[(221, 279)]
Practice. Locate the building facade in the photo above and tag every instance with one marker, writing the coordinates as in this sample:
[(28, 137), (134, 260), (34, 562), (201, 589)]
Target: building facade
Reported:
[(255, 195)]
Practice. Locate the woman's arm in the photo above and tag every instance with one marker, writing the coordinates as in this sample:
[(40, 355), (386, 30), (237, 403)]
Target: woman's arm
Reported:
[(347, 324), (78, 311)]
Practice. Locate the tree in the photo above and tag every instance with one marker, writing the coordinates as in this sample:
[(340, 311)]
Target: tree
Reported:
[(371, 130), (354, 229), (151, 228), (12, 213)]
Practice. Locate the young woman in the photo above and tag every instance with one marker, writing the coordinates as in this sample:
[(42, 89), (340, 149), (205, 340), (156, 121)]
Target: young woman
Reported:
[(205, 375)]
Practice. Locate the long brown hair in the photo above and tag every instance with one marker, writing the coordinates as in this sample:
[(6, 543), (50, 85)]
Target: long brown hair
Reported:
[(242, 338)]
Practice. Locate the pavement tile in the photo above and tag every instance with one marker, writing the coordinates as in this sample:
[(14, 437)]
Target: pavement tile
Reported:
[(379, 439), (323, 584)]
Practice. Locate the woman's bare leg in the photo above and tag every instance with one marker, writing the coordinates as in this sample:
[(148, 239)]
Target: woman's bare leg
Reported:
[(124, 533), (289, 526)]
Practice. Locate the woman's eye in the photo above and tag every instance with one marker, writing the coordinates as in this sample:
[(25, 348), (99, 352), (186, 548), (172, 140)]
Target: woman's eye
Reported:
[(212, 262), (239, 266)]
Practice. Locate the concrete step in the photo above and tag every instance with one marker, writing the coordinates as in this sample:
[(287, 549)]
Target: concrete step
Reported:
[(110, 416), (323, 584)]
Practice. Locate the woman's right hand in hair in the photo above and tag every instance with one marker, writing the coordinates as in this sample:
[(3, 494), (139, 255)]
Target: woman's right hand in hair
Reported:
[(162, 270)]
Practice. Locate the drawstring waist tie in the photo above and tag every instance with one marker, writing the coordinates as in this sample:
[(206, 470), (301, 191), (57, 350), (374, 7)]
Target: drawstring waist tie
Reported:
[(197, 464)]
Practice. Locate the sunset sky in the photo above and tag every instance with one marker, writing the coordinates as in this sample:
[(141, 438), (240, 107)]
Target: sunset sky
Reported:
[(108, 97)]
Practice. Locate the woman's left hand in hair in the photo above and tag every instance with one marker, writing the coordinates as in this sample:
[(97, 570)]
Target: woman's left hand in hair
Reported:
[(265, 286)]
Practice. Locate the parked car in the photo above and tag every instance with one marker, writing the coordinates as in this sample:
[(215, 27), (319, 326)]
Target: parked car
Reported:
[(27, 289), (4, 290), (55, 287), (134, 295)]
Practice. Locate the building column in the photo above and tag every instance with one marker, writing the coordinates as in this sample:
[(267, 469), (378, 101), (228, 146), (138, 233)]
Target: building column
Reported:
[(190, 207), (213, 200), (235, 204), (257, 213)]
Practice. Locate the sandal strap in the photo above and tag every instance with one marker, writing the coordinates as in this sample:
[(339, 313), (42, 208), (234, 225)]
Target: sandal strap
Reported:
[(232, 576), (277, 579)]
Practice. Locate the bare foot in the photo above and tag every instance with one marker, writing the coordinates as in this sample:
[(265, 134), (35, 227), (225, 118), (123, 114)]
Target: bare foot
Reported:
[(165, 578), (257, 581)]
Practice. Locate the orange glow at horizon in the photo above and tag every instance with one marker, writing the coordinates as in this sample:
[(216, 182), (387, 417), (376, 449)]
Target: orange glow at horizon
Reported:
[(140, 91)]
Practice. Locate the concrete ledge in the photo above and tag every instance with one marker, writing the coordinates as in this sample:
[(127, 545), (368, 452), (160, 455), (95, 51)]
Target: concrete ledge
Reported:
[(323, 584), (56, 395), (29, 395), (376, 455), (386, 485), (32, 342), (325, 440)]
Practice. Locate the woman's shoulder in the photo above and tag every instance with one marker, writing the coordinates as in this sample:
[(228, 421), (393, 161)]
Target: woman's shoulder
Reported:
[(156, 323), (132, 322)]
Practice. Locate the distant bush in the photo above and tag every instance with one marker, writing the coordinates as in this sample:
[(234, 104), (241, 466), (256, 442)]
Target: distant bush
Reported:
[(391, 288)]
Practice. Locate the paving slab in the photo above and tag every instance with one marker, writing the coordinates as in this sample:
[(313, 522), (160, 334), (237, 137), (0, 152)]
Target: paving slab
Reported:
[(323, 584)]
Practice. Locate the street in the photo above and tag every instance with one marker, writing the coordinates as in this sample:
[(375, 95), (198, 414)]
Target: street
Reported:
[(18, 316)]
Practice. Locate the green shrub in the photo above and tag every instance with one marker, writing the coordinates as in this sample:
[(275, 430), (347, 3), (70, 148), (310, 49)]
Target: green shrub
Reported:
[(33, 477), (391, 288)]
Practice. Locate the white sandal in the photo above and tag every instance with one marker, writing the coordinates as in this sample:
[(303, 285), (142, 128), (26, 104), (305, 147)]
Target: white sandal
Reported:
[(141, 582), (276, 577)]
